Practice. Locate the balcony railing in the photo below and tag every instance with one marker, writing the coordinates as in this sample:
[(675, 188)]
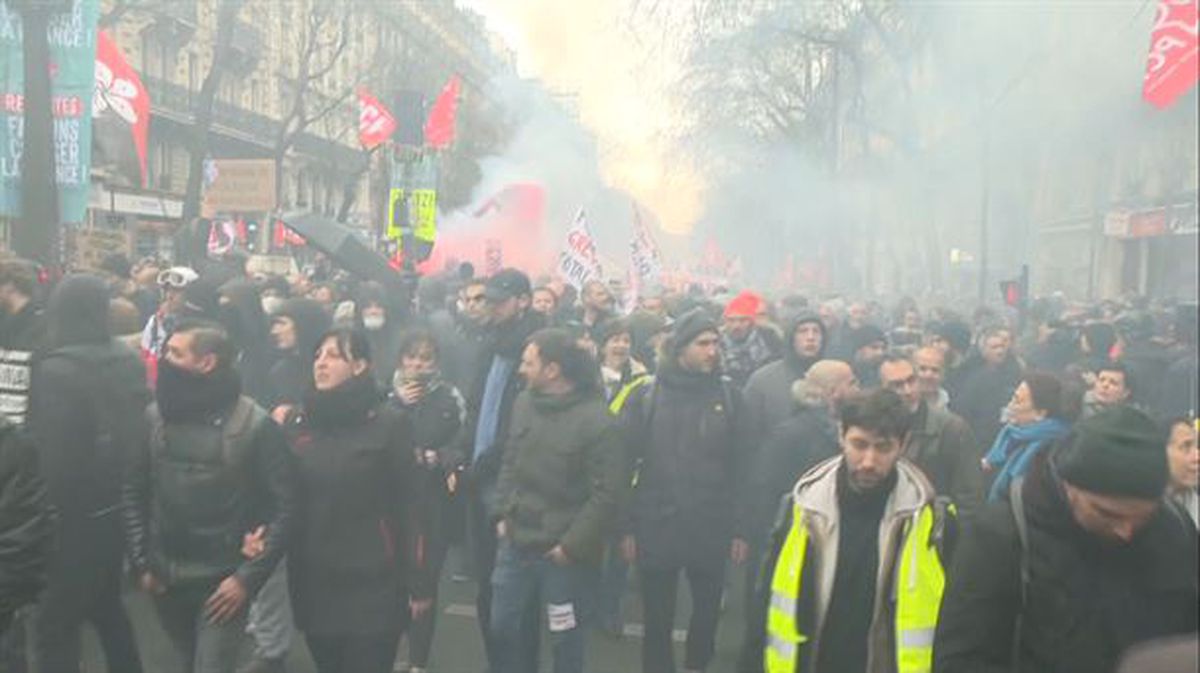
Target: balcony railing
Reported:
[(168, 97)]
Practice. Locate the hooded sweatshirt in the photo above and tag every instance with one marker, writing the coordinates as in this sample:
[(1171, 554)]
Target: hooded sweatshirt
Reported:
[(291, 376), (86, 387), (768, 393)]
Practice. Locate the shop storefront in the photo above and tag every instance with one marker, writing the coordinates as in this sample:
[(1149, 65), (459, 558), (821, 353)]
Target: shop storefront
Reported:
[(1158, 255)]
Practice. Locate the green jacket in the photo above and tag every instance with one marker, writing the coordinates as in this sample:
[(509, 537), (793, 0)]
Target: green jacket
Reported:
[(562, 474)]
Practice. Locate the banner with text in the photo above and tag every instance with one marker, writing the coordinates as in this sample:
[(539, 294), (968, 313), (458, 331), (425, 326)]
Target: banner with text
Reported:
[(72, 40), (578, 262)]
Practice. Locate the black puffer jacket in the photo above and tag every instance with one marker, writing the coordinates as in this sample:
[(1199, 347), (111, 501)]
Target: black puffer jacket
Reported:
[(688, 448), (351, 565), (1087, 602), (192, 494), (26, 523)]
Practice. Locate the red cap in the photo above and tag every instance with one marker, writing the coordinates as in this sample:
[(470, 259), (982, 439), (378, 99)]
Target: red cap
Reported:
[(745, 305)]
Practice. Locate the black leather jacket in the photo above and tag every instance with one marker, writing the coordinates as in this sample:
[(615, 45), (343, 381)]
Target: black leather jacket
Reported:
[(196, 488)]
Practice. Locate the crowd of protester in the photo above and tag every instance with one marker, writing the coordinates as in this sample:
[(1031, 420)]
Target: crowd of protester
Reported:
[(298, 455)]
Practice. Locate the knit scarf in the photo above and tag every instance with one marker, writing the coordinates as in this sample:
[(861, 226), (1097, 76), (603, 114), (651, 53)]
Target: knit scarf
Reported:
[(1015, 448)]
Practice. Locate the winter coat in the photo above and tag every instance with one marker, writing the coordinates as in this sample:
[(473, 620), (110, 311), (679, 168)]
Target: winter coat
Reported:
[(194, 489), (87, 413), (941, 444), (243, 317), (435, 421), (562, 474), (26, 523), (508, 342), (686, 436), (1180, 387), (1148, 364), (979, 394), (816, 493), (768, 393), (794, 447), (291, 376), (22, 336), (1087, 600), (352, 565), (740, 359)]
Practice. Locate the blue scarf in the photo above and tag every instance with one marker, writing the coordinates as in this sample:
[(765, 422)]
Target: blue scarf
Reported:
[(1015, 448), (488, 425)]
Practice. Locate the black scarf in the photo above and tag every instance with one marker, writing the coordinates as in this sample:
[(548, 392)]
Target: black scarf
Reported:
[(346, 405), (187, 397)]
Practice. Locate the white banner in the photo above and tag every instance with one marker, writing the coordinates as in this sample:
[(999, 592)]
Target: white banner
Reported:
[(578, 263)]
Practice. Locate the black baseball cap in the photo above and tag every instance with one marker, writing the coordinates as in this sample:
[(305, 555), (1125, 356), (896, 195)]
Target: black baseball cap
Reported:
[(506, 284)]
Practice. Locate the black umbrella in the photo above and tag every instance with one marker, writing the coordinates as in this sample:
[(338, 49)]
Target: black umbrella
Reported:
[(343, 247)]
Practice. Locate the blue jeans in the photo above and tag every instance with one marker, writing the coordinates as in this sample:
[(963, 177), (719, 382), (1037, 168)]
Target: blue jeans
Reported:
[(521, 579)]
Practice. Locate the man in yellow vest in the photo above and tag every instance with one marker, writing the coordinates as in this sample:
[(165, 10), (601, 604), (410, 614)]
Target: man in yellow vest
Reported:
[(853, 579)]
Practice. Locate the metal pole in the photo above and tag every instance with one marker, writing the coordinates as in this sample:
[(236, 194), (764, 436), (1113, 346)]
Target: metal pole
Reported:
[(984, 208), (36, 233)]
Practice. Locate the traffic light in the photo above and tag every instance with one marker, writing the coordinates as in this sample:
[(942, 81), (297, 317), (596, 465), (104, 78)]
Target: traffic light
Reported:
[(1016, 292)]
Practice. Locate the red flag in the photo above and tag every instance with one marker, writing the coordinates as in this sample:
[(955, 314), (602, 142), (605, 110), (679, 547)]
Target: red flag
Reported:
[(284, 236), (120, 102), (375, 122), (1172, 66), (439, 128)]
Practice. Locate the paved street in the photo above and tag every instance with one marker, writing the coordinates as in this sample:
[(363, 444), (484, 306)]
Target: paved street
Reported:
[(457, 648)]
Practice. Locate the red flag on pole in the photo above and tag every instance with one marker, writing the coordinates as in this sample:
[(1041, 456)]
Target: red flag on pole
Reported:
[(439, 128), (1172, 66), (120, 106), (375, 122)]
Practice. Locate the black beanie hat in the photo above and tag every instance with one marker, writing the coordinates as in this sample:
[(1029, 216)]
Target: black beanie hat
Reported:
[(956, 333), (864, 336), (1119, 452), (689, 326)]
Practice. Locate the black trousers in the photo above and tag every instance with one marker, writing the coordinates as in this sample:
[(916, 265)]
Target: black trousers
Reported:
[(375, 653), (84, 586), (420, 632), (483, 546), (660, 591)]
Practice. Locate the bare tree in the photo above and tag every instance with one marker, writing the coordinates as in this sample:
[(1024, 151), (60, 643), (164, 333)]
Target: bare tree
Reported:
[(321, 46), (227, 14)]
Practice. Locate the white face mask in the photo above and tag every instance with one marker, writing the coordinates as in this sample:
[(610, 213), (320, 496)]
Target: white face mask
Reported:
[(374, 321), (272, 304)]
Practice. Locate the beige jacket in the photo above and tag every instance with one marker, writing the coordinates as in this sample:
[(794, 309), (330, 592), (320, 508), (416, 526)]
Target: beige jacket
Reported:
[(816, 493)]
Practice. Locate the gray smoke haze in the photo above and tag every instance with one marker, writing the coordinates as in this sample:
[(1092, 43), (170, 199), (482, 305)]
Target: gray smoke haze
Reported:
[(1042, 98)]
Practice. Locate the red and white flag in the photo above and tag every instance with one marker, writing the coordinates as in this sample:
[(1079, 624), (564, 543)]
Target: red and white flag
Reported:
[(375, 122), (1172, 67), (578, 262), (120, 108), (439, 128)]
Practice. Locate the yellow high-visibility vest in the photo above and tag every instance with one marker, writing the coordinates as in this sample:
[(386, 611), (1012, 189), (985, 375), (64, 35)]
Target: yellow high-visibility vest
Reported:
[(916, 589), (618, 405), (618, 401)]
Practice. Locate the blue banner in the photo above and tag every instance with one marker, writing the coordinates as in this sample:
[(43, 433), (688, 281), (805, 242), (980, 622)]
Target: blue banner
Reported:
[(72, 39)]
